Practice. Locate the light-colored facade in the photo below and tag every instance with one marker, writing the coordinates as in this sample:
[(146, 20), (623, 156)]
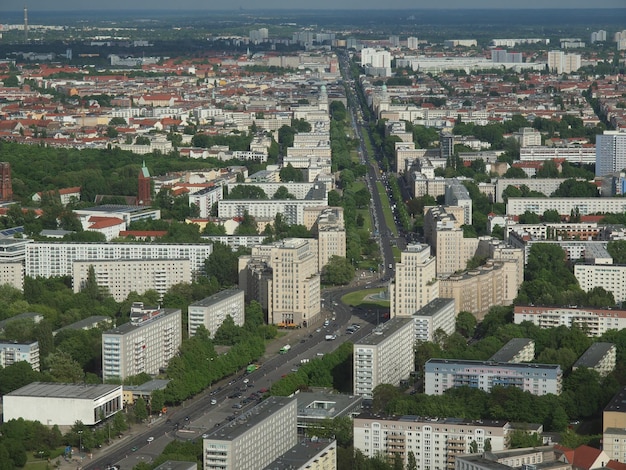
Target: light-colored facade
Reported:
[(51, 259), (543, 185), (438, 314), (236, 445), (516, 350), (212, 311), (120, 278), (610, 152), (458, 195), (538, 379), (578, 155), (479, 289), (144, 345), (565, 206), (611, 277), (600, 357), (205, 199), (292, 210), (331, 235), (12, 273), (560, 62), (415, 282), (284, 278), (593, 321), (308, 454), (528, 137), (531, 457), (435, 443), (12, 352), (385, 356), (63, 404)]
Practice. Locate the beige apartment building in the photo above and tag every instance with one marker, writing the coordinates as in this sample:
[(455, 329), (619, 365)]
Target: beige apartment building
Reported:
[(121, 277), (435, 443), (331, 235), (144, 345), (255, 439), (284, 278), (478, 290), (385, 356), (415, 283)]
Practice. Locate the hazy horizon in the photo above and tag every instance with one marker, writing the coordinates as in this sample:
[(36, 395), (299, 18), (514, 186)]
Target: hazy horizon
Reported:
[(254, 5)]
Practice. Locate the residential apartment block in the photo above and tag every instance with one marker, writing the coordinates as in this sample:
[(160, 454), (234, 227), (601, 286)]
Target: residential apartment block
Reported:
[(120, 278), (538, 379), (611, 277), (600, 357), (284, 278), (593, 321), (51, 259), (546, 457), (438, 314), (516, 350), (144, 345), (330, 231), (308, 454), (211, 311), (385, 356), (415, 282), (565, 206), (435, 443), (237, 445), (610, 152), (12, 352)]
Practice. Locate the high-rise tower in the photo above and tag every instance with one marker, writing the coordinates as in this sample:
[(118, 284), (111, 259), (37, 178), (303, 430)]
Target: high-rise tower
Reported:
[(144, 193), (25, 24)]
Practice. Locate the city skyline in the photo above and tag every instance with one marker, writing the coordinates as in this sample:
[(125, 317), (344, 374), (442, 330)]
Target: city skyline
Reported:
[(250, 5)]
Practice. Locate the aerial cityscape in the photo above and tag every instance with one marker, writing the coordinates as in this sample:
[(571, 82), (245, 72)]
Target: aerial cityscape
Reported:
[(334, 236)]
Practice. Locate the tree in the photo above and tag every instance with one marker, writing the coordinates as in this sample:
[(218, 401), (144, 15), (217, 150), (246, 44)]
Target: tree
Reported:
[(117, 121), (141, 410), (283, 193), (290, 174), (63, 368), (338, 271), (245, 191), (222, 264), (247, 226), (466, 324)]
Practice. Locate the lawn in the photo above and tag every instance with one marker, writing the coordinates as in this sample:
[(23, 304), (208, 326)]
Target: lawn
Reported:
[(386, 209), (358, 299)]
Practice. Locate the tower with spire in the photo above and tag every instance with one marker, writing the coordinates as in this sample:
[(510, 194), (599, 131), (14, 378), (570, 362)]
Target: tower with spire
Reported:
[(25, 23)]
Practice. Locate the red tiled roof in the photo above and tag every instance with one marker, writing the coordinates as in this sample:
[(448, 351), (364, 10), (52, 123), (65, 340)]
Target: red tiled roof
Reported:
[(585, 456), (143, 233), (98, 222)]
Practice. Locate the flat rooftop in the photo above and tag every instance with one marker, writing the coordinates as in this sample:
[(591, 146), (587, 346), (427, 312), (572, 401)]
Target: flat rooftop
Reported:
[(384, 331), (216, 298), (126, 327), (233, 429), (57, 390), (301, 453), (469, 362), (433, 307), (618, 402), (434, 421)]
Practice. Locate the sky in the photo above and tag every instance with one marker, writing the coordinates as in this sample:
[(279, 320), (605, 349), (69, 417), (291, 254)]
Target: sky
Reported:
[(82, 5)]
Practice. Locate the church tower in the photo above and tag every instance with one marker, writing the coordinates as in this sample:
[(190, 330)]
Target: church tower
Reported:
[(144, 192)]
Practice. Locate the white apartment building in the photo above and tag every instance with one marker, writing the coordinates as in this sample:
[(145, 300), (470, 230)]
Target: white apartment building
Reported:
[(292, 210), (600, 357), (415, 282), (385, 356), (12, 273), (120, 278), (412, 43), (593, 321), (211, 311), (51, 259), (438, 314), (458, 195), (611, 277), (308, 454), (610, 152), (578, 155), (205, 199), (560, 62), (538, 379), (236, 445), (375, 58), (565, 206), (543, 185), (144, 345), (435, 443), (63, 404), (12, 352)]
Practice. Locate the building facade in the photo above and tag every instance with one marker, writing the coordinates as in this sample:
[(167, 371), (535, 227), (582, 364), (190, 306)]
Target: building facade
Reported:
[(600, 357), (611, 277), (385, 356), (610, 152), (144, 345), (538, 379), (12, 352), (594, 322), (211, 311), (435, 443), (120, 278), (438, 314), (235, 445), (415, 282)]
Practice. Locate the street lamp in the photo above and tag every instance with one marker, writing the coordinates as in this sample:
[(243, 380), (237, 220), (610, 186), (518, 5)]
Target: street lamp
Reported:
[(80, 441)]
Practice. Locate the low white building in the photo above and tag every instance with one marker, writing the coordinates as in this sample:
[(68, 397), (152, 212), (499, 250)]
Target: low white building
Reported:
[(438, 314), (63, 404)]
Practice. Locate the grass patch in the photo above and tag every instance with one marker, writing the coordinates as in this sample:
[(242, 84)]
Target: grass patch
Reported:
[(359, 299), (384, 199), (396, 253), (367, 219)]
